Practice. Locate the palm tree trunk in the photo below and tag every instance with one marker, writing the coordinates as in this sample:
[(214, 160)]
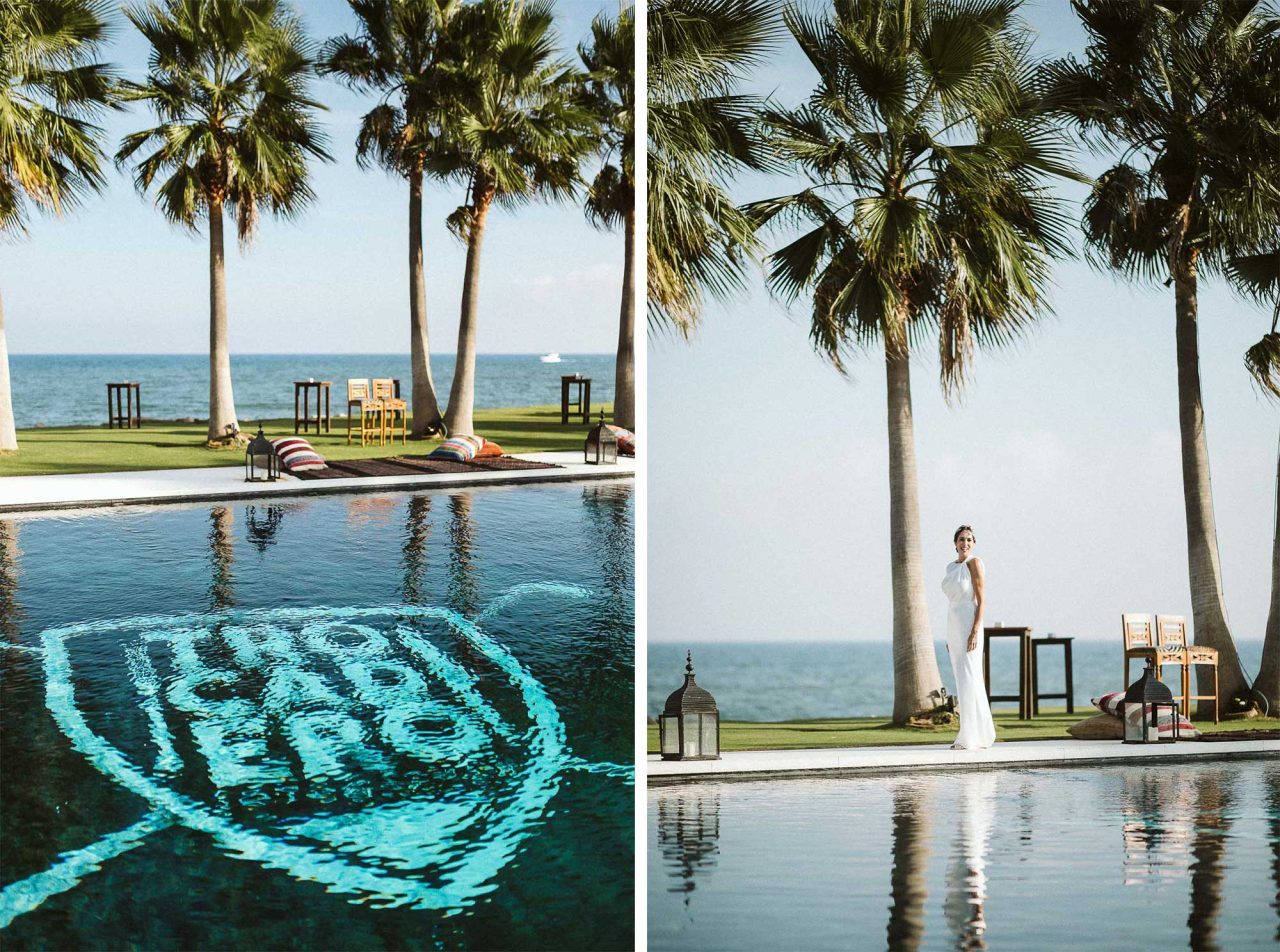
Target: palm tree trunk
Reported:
[(462, 395), (624, 375), (908, 880), (915, 665), (1268, 681), (222, 405), (426, 410), (1208, 610), (8, 435)]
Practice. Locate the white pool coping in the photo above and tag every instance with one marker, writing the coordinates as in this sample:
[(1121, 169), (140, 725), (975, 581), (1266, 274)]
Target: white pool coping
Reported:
[(148, 487), (854, 761)]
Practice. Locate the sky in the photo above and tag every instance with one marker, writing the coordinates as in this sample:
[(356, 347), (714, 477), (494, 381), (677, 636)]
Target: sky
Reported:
[(113, 276), (768, 476)]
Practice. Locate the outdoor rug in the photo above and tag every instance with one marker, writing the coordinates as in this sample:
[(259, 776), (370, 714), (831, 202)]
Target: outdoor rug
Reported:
[(416, 466)]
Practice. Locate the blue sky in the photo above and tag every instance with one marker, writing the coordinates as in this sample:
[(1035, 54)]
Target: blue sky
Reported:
[(768, 487), (114, 277)]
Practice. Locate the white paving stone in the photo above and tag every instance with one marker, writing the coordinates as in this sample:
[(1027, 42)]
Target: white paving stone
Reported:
[(22, 493), (853, 760)]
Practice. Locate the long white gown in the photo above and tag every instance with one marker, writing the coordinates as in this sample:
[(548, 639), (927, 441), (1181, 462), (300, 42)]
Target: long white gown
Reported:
[(977, 729)]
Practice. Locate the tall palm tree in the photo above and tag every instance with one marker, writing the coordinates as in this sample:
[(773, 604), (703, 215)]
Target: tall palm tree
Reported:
[(516, 130), (1258, 275), (610, 60), (1183, 88), (50, 91), (228, 81), (927, 212), (700, 135), (400, 54)]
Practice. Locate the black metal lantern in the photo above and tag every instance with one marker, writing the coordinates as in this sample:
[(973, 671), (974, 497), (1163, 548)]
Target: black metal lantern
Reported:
[(1144, 702), (261, 465), (689, 727), (601, 445)]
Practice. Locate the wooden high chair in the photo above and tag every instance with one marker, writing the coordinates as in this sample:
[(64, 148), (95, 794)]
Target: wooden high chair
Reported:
[(358, 395), (1172, 630), (384, 389)]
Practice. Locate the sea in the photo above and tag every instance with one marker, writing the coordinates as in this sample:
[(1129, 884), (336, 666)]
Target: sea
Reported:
[(799, 680), (71, 390)]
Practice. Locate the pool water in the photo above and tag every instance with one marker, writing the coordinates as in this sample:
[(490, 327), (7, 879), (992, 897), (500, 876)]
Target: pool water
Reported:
[(399, 720), (1151, 857)]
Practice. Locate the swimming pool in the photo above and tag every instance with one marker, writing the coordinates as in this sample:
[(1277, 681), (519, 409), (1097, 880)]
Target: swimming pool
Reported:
[(399, 720), (1150, 857)]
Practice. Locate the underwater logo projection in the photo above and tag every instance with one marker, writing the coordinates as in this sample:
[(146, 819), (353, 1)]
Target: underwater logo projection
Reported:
[(397, 755)]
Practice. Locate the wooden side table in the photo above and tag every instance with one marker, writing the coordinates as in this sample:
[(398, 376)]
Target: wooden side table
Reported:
[(1069, 696), (582, 402), (1023, 697), (124, 413), (302, 402)]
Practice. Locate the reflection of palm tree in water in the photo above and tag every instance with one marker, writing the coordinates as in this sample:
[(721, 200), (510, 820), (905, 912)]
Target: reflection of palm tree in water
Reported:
[(965, 904), (9, 608), (1272, 786), (1208, 848), (908, 887), (222, 555), (611, 537), (463, 588), (417, 532), (688, 837)]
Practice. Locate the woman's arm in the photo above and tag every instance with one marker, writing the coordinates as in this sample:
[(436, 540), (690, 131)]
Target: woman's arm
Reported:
[(979, 600)]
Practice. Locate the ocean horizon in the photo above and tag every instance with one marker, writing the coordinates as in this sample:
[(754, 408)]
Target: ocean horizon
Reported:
[(70, 389), (811, 680)]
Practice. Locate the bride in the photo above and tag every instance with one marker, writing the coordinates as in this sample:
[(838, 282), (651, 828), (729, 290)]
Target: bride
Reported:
[(963, 585)]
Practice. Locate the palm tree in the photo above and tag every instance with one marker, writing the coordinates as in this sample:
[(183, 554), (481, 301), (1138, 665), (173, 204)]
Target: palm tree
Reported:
[(400, 54), (228, 81), (700, 135), (927, 161), (516, 130), (49, 148), (610, 89), (1183, 87), (1258, 275)]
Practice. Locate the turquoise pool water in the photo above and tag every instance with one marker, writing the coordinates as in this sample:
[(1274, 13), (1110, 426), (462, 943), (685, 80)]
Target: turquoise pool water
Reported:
[(379, 721), (1162, 857)]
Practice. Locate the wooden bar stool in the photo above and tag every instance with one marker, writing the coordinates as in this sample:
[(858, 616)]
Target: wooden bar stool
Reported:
[(384, 389), (126, 413), (1171, 631), (358, 396), (1051, 641)]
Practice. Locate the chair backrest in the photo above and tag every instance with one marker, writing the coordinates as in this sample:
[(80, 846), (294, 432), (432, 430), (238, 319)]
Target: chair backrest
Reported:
[(384, 388), (357, 389), (1139, 631), (1171, 631)]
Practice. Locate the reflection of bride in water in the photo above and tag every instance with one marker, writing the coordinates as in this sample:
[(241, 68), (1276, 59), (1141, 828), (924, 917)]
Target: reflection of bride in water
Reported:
[(965, 903)]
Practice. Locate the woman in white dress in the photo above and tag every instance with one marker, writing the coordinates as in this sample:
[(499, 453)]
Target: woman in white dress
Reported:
[(964, 585)]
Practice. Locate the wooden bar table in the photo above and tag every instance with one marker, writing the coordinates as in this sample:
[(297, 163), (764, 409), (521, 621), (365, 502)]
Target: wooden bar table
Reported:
[(121, 409), (302, 402), (583, 397), (1023, 697)]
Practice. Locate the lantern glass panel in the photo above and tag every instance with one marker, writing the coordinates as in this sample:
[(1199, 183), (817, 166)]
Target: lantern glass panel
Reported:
[(669, 731), (261, 465), (1137, 723), (691, 735), (710, 738)]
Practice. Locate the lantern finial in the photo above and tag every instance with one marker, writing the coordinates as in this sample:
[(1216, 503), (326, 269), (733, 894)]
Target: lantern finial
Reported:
[(688, 663)]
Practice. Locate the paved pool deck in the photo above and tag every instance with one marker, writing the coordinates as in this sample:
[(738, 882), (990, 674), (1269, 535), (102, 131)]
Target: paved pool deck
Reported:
[(149, 487), (868, 761)]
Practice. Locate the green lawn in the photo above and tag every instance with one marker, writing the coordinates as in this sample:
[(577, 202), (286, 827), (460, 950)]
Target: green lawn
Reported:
[(1052, 724), (174, 445)]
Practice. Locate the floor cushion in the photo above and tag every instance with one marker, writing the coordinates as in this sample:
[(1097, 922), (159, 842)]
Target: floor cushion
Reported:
[(490, 449), (626, 440), (1098, 727), (460, 449), (297, 455), (1113, 705)]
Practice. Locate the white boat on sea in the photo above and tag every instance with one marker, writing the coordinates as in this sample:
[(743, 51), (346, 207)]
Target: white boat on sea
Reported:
[(552, 358)]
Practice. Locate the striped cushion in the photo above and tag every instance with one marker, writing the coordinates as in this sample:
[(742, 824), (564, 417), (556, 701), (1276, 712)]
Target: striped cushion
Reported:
[(297, 455), (1113, 703), (626, 440), (460, 449)]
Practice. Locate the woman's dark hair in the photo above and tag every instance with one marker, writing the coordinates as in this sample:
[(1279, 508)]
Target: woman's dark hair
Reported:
[(956, 537)]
